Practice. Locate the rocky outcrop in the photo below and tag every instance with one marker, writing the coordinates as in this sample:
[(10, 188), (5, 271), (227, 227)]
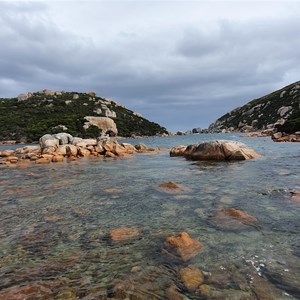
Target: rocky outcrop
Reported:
[(282, 137), (107, 125), (22, 97), (217, 150), (182, 246), (54, 148)]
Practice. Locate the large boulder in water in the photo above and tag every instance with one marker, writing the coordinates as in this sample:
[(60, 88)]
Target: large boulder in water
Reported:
[(219, 150)]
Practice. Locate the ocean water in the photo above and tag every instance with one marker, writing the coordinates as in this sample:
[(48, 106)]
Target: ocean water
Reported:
[(55, 220)]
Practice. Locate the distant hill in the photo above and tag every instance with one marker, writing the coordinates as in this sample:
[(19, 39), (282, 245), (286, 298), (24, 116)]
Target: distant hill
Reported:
[(279, 110), (29, 116)]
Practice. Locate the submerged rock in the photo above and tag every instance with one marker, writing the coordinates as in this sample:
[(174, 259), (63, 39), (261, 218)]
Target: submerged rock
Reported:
[(191, 277), (171, 187), (124, 234), (217, 150), (31, 291), (295, 196), (232, 219), (182, 246), (173, 293)]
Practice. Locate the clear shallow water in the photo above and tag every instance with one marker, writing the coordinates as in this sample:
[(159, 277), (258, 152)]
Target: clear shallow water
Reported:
[(54, 221)]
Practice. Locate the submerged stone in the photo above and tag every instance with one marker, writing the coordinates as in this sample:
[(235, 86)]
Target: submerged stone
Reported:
[(172, 187), (191, 277), (124, 234), (31, 291), (182, 246), (233, 219), (295, 196), (173, 293)]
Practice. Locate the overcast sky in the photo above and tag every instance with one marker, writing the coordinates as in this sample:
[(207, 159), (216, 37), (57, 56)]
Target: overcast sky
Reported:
[(182, 64)]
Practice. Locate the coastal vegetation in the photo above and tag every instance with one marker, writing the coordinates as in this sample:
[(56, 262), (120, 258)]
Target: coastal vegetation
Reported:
[(27, 117), (277, 111)]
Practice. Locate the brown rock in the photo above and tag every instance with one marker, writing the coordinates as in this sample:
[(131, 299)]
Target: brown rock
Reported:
[(220, 150), (173, 293), (264, 290), (7, 153), (204, 290), (108, 146), (48, 156), (49, 150), (32, 291), (84, 152), (99, 149), (129, 148), (71, 150), (124, 233), (141, 147), (66, 295), (58, 158), (231, 218), (191, 277), (182, 246), (178, 150), (12, 159), (42, 160), (295, 196), (23, 163), (72, 158), (287, 138), (112, 190), (172, 187), (109, 154), (119, 150)]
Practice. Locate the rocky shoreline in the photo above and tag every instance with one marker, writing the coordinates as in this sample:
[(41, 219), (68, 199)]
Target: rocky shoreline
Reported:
[(63, 147), (276, 137)]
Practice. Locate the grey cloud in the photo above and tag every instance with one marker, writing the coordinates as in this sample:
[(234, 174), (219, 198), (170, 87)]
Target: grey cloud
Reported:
[(179, 76)]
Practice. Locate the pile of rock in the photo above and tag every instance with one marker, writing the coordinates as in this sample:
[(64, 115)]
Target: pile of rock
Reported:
[(282, 137), (58, 147)]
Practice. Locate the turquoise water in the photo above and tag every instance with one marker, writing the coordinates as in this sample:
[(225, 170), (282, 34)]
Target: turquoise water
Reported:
[(54, 221)]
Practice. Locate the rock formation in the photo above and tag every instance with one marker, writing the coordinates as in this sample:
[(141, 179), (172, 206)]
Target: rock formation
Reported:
[(216, 150), (107, 125), (182, 246)]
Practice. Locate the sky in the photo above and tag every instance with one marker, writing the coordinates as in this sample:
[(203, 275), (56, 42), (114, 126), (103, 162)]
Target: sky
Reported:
[(182, 64)]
